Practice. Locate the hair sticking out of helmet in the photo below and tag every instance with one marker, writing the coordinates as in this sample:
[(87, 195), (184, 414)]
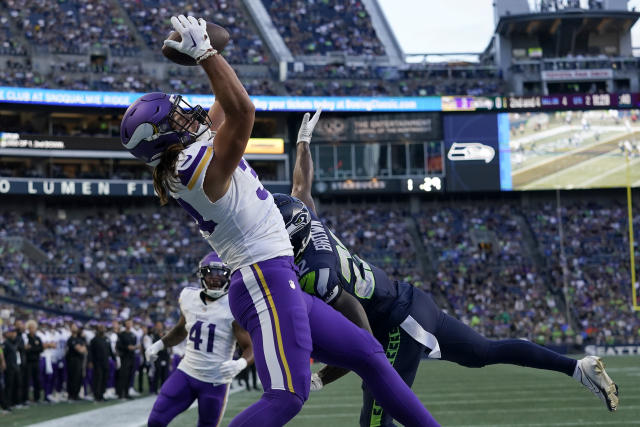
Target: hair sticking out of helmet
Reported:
[(214, 276), (297, 221), (156, 121)]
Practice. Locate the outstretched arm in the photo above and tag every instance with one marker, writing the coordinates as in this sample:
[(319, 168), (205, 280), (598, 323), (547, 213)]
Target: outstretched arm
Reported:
[(216, 115), (233, 134), (303, 169), (234, 131)]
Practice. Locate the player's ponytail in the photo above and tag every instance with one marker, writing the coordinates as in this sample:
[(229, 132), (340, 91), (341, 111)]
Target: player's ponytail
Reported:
[(164, 174)]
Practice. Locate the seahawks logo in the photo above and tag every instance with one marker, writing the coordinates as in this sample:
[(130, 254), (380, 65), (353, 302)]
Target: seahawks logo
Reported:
[(297, 223)]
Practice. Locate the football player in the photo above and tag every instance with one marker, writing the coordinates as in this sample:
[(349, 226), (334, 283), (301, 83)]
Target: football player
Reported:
[(235, 214), (405, 319), (239, 219), (207, 369)]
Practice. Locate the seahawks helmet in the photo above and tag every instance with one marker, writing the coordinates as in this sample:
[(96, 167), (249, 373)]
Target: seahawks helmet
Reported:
[(297, 221), (156, 121), (214, 276)]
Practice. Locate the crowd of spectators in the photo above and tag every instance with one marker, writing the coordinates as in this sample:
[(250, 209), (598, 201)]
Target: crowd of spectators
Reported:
[(481, 258), (489, 278), (323, 26), (152, 19), (72, 26), (103, 265), (378, 235), (8, 44), (596, 249)]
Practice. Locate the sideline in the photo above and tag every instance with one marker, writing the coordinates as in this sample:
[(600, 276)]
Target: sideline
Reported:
[(133, 413)]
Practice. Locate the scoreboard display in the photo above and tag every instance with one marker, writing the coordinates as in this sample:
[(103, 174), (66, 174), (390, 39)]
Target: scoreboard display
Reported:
[(380, 145)]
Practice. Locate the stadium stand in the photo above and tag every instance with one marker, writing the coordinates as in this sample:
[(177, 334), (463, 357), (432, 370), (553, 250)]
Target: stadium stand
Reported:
[(317, 28), (484, 271), (152, 19), (73, 26), (596, 243), (481, 260)]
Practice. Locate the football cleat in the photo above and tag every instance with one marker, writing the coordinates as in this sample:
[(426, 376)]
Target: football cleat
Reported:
[(590, 372)]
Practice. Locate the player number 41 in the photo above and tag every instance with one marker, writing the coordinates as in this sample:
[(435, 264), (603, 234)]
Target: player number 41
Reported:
[(196, 332)]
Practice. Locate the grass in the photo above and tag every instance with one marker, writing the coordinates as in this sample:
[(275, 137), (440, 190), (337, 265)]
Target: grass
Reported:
[(500, 395)]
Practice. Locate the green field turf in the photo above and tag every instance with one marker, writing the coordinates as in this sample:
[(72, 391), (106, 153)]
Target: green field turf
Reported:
[(492, 396)]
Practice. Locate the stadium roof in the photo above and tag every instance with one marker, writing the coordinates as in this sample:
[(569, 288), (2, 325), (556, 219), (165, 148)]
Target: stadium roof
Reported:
[(592, 20)]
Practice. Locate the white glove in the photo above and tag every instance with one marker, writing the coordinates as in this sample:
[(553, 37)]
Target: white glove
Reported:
[(316, 383), (306, 128), (153, 350), (195, 40), (231, 368)]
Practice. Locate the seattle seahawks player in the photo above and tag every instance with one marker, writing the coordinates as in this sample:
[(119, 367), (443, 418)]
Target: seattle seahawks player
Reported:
[(239, 219), (207, 368), (403, 318)]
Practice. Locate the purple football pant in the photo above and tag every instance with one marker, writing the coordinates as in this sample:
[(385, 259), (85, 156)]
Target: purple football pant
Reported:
[(59, 374), (339, 342), (179, 392), (266, 300)]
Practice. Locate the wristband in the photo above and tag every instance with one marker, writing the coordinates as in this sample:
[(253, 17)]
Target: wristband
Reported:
[(208, 54), (158, 346), (242, 362)]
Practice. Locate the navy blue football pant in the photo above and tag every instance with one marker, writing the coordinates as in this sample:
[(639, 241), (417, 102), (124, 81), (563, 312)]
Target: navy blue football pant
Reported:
[(458, 343)]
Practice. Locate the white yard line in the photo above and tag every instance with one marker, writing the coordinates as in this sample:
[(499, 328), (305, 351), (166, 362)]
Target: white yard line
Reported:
[(127, 414)]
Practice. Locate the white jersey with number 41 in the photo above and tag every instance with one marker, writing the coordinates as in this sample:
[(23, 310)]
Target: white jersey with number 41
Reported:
[(210, 339)]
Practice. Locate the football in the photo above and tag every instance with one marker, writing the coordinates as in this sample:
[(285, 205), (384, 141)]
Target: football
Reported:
[(219, 39)]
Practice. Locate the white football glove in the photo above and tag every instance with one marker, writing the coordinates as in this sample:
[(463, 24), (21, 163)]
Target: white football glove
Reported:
[(152, 352), (306, 128), (195, 40), (231, 368), (316, 383)]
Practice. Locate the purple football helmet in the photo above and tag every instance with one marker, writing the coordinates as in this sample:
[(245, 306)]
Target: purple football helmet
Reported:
[(214, 276), (156, 121)]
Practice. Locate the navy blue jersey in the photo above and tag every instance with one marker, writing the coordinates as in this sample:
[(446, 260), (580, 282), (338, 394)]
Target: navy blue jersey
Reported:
[(327, 268)]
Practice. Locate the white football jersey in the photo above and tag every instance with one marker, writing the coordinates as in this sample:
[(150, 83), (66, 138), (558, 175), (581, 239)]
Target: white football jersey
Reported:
[(210, 340), (244, 226)]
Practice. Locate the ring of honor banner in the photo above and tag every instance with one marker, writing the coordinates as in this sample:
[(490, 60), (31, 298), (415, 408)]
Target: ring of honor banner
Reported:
[(472, 154)]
